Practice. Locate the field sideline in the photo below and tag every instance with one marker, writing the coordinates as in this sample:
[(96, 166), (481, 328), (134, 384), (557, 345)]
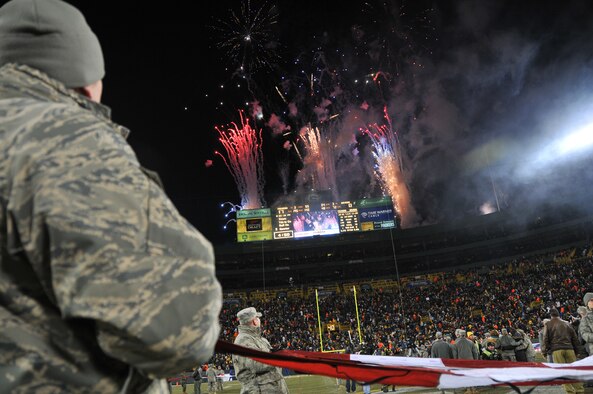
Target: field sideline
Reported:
[(297, 384), (306, 384)]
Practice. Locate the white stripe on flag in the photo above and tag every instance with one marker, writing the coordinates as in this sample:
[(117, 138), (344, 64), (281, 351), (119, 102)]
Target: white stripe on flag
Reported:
[(399, 361), (510, 375)]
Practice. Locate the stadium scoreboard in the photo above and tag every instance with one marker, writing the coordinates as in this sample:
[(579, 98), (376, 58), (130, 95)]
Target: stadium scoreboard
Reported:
[(315, 218), (254, 225)]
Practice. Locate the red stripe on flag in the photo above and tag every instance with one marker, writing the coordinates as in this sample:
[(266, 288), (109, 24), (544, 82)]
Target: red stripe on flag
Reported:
[(338, 365), (341, 366), (365, 373), (469, 364), (459, 363)]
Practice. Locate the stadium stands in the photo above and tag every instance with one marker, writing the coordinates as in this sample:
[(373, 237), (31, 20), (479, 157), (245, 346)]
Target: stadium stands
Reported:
[(484, 240), (484, 275)]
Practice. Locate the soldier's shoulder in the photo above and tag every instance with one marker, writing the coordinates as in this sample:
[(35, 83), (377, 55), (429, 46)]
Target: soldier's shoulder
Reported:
[(238, 339), (588, 319), (52, 122)]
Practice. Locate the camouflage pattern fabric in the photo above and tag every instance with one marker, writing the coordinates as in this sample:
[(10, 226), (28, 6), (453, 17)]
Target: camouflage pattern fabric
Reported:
[(104, 287), (256, 377), (586, 331)]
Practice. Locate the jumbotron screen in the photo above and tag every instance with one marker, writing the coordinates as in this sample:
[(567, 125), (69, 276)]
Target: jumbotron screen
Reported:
[(314, 219)]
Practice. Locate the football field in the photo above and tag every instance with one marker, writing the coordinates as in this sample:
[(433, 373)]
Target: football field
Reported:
[(301, 384), (297, 384)]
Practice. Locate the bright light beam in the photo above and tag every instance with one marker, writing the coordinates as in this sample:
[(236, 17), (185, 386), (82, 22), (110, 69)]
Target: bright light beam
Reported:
[(577, 141), (561, 149)]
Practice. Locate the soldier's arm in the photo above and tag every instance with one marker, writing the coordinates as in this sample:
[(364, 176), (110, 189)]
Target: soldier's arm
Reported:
[(252, 365), (117, 252), (585, 330), (242, 370), (258, 367)]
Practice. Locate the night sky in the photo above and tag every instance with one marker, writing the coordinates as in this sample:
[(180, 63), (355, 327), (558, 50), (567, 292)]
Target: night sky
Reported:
[(480, 93)]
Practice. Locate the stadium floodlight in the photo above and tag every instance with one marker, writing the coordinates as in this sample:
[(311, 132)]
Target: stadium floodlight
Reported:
[(567, 147), (576, 141)]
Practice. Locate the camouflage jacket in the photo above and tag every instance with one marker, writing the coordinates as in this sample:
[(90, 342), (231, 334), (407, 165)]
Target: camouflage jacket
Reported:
[(586, 331), (506, 344), (211, 375), (254, 376), (104, 287)]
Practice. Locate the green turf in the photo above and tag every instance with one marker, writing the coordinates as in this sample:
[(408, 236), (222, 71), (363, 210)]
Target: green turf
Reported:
[(299, 384)]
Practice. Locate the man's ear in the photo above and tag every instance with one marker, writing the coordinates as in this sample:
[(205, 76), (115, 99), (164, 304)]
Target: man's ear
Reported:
[(92, 92), (84, 91)]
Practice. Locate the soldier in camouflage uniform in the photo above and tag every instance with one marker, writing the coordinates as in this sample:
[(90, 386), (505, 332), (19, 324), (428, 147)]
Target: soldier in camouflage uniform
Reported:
[(104, 287), (506, 345), (586, 325), (255, 377), (211, 375)]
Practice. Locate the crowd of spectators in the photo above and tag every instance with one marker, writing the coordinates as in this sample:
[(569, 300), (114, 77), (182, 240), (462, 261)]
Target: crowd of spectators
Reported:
[(480, 300)]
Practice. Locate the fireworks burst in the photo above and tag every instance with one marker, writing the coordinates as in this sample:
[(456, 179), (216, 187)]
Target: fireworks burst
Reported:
[(244, 161), (319, 163), (389, 168), (232, 210), (397, 34), (248, 37)]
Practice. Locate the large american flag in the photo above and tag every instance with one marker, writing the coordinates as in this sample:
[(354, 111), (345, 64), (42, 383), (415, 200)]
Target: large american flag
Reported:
[(425, 372)]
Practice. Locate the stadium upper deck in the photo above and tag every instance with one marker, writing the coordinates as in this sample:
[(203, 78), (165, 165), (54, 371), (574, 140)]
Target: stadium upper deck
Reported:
[(488, 239)]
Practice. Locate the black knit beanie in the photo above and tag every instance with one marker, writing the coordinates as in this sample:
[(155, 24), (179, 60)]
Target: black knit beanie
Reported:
[(51, 36)]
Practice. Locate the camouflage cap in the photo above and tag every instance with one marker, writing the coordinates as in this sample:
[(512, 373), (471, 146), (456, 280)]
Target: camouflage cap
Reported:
[(51, 36), (587, 298), (248, 314)]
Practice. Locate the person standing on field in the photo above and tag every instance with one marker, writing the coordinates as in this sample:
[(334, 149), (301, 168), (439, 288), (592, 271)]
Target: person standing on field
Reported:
[(254, 376), (104, 286)]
